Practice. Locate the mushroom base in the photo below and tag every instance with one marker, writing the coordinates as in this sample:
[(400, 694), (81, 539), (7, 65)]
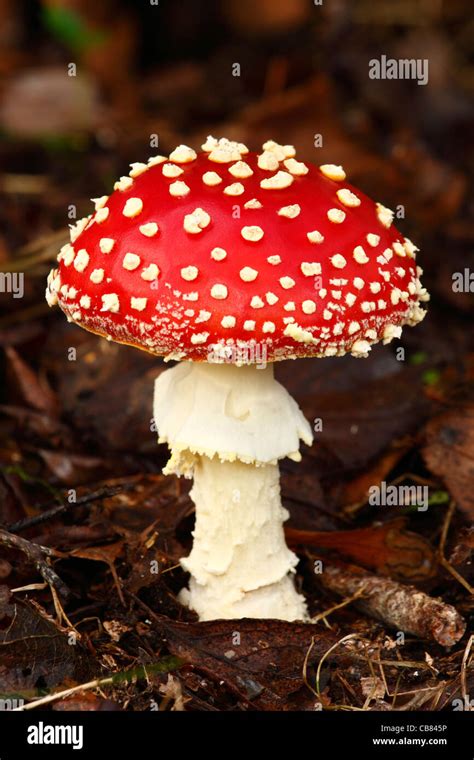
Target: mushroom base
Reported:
[(240, 565)]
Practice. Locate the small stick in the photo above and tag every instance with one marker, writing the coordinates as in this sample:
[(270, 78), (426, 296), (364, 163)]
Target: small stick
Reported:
[(29, 587), (402, 607), (165, 665), (344, 603), (35, 553), (49, 514)]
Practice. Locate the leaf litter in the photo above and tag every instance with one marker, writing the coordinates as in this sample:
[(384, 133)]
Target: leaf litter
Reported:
[(89, 615)]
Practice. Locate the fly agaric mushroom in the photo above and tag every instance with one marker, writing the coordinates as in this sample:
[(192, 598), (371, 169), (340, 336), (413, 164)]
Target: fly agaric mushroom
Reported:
[(226, 262)]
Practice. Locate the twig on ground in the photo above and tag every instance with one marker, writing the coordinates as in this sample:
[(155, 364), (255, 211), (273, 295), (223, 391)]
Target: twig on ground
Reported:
[(29, 522), (163, 666), (403, 608), (344, 603), (36, 553)]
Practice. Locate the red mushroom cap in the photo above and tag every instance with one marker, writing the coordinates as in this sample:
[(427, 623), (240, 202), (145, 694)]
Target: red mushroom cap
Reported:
[(234, 249)]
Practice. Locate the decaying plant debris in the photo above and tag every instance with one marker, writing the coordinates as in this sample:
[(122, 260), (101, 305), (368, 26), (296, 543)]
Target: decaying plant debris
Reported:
[(89, 560)]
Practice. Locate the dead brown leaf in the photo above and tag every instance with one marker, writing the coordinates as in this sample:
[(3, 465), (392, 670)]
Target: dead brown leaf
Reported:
[(389, 549), (260, 661), (34, 652), (449, 453)]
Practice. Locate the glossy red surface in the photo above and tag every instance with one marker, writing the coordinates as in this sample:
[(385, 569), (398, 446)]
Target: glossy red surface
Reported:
[(169, 320)]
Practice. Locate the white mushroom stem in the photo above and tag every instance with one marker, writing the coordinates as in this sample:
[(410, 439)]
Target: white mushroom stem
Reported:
[(227, 427), (240, 565)]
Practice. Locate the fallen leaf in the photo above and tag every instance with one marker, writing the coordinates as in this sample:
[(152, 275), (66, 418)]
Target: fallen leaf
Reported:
[(108, 394), (35, 391), (35, 653), (261, 661), (389, 549), (449, 453), (356, 490)]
